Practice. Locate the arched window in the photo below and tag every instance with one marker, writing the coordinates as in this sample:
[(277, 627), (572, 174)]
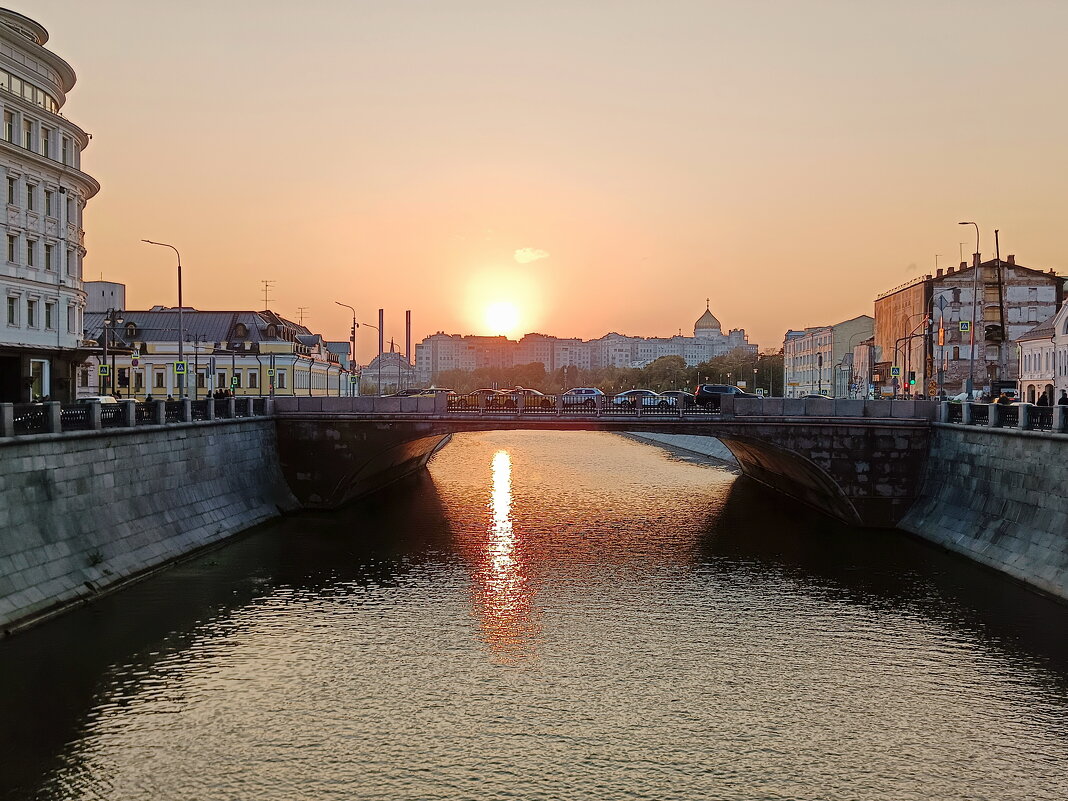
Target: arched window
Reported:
[(240, 330), (272, 331), (131, 330)]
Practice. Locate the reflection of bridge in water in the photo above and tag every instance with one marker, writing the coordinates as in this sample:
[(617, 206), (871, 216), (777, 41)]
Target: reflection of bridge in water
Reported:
[(860, 461)]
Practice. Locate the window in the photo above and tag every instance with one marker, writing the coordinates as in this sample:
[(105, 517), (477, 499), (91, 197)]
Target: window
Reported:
[(220, 382), (12, 311), (72, 321), (12, 190), (50, 316), (31, 313), (46, 135), (9, 126), (66, 150), (27, 134), (158, 379), (31, 247), (202, 379), (83, 378), (139, 380), (281, 379), (253, 379), (49, 256), (50, 203), (956, 352), (31, 192), (12, 248)]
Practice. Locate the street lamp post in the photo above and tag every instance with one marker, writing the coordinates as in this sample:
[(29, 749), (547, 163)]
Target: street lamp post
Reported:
[(352, 338), (181, 326), (975, 299), (111, 319)]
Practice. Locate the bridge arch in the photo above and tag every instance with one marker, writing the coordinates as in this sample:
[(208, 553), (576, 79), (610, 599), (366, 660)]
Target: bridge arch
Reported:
[(861, 471)]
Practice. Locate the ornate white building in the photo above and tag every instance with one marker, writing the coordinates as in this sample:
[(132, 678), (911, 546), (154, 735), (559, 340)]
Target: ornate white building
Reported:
[(42, 238)]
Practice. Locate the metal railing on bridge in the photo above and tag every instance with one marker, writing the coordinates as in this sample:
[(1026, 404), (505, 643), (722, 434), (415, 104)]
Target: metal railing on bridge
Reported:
[(23, 419), (577, 406)]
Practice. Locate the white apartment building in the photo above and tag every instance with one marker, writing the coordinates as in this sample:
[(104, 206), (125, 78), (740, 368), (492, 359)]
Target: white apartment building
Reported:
[(819, 360), (42, 240), (1043, 359), (442, 351)]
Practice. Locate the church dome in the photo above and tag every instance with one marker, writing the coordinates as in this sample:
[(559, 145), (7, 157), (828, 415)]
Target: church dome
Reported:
[(707, 322)]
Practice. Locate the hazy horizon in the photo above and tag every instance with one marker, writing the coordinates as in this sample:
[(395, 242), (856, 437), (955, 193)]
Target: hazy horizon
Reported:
[(601, 166)]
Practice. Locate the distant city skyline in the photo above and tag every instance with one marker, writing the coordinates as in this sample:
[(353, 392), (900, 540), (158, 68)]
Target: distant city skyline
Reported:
[(790, 161)]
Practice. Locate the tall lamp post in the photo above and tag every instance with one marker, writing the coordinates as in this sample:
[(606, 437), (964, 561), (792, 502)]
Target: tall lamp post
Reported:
[(353, 364), (975, 299), (111, 319), (181, 326)]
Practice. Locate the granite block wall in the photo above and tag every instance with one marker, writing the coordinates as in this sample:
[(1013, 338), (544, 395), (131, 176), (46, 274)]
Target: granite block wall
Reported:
[(1000, 497), (83, 510)]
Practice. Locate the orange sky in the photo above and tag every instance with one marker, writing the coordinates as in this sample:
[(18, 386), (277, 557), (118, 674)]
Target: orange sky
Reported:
[(787, 159)]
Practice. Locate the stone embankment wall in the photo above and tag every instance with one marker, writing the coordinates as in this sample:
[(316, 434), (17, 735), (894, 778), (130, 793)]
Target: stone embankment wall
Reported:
[(83, 510), (998, 496)]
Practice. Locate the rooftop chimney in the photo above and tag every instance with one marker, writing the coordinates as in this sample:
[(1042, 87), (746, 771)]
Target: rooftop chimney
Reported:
[(964, 265), (1012, 259), (938, 272)]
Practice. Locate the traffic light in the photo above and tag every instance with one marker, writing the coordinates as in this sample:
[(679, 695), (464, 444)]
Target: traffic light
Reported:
[(912, 378)]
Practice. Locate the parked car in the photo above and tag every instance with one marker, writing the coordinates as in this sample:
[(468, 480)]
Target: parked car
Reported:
[(488, 392), (712, 394), (582, 396), (431, 392), (98, 399), (642, 397), (680, 395)]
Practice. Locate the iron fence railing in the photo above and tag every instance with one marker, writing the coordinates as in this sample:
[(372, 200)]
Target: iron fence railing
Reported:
[(30, 418), (1009, 416), (75, 417), (956, 412), (20, 419), (1042, 418), (980, 414), (145, 413), (112, 415), (172, 411)]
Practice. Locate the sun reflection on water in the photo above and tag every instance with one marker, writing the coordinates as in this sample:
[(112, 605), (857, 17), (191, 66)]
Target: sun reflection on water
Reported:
[(503, 590)]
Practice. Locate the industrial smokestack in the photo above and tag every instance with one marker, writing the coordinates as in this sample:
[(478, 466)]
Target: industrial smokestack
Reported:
[(408, 336)]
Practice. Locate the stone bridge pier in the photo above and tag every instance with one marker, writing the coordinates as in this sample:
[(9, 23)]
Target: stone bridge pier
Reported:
[(856, 467)]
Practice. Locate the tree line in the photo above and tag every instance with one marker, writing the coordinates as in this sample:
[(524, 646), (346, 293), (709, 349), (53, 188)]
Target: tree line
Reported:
[(762, 371)]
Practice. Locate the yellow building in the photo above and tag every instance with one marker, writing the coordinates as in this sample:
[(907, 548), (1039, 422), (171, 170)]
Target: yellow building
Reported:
[(244, 352)]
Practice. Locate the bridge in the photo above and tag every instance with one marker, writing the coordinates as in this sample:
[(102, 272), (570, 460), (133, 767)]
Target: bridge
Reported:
[(859, 461)]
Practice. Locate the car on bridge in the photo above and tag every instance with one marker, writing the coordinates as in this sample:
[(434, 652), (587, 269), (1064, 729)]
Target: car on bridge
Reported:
[(582, 396), (712, 394), (643, 397), (682, 396)]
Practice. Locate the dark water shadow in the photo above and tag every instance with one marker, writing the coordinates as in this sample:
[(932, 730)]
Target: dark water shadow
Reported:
[(887, 570)]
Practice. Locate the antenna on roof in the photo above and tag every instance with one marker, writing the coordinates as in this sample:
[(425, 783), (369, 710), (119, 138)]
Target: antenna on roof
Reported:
[(300, 312), (267, 284)]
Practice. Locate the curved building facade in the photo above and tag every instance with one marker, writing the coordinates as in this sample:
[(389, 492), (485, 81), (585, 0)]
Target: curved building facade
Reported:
[(42, 242)]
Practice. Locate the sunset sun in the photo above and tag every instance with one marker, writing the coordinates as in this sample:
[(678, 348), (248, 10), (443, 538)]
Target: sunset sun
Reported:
[(502, 317)]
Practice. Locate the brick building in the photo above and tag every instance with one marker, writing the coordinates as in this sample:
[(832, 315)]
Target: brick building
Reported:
[(925, 327)]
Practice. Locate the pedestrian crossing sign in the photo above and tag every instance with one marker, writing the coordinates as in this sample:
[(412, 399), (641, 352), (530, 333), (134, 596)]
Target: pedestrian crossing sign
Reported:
[(180, 368), (895, 372), (103, 370), (965, 326)]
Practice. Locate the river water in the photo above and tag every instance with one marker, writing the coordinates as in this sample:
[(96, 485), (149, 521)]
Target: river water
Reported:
[(548, 616)]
